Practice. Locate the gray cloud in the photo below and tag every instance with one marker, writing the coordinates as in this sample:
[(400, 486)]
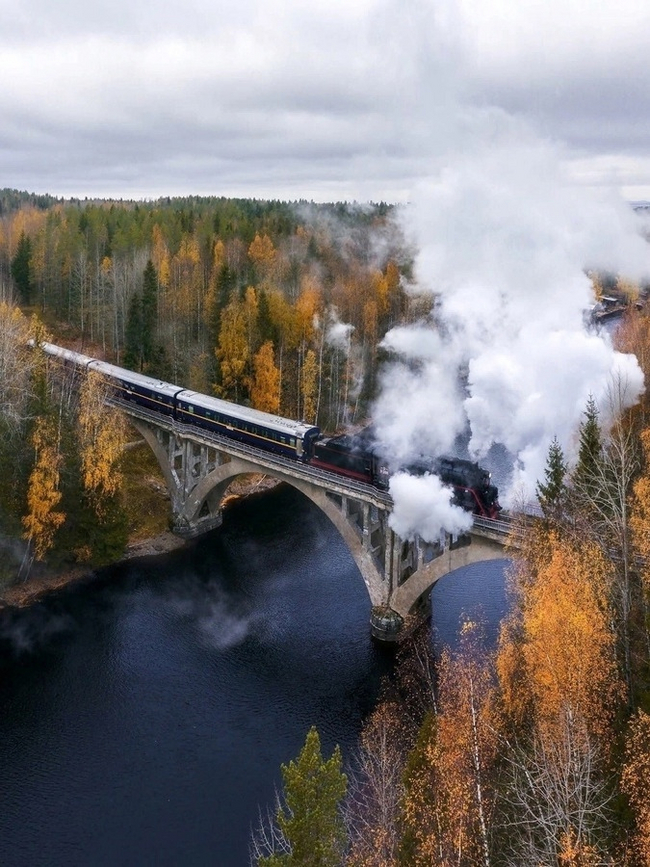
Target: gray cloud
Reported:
[(353, 99)]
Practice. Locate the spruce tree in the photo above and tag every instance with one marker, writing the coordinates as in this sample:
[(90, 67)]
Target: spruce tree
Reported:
[(588, 471), (552, 491), (309, 817), (133, 356), (149, 311), (21, 268)]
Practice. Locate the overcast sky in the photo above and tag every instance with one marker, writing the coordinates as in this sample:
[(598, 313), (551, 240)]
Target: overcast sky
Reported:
[(343, 99)]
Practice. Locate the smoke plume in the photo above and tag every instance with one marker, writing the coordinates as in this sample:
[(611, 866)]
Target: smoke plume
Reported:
[(505, 241), (422, 506)]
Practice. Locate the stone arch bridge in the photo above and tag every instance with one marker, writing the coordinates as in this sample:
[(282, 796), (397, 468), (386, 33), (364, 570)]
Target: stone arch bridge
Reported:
[(199, 466)]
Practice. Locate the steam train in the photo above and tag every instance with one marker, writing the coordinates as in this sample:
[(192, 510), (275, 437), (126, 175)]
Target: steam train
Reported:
[(352, 456), (355, 456)]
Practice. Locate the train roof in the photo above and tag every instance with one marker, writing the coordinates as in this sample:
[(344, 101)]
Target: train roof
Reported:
[(63, 353), (139, 379), (206, 401), (246, 413)]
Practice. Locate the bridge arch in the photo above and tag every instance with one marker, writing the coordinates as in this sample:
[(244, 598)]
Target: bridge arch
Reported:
[(413, 594), (203, 503), (398, 573), (214, 486)]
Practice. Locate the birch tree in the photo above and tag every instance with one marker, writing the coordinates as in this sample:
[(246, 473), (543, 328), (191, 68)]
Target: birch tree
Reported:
[(265, 387), (635, 782), (16, 362), (102, 434), (43, 494), (376, 790), (558, 667), (449, 806)]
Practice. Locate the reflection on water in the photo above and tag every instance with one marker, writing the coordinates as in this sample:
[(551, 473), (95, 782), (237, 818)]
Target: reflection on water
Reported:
[(144, 716)]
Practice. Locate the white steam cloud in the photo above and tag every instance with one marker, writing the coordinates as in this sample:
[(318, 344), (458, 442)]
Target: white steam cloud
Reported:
[(504, 241), (423, 507), (337, 333)]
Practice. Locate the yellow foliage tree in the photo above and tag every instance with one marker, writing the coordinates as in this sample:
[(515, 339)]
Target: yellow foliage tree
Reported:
[(262, 252), (218, 255), (597, 284), (232, 351), (308, 305), (265, 388), (562, 688), (628, 289), (633, 335), (43, 495), (251, 309), (160, 254), (284, 316), (380, 290), (102, 434), (640, 518), (569, 647)]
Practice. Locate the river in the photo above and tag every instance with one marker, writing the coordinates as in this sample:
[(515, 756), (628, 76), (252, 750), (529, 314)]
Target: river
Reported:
[(144, 714)]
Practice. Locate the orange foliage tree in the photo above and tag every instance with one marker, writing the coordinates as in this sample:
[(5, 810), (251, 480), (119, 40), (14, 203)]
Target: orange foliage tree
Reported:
[(561, 688), (635, 782), (43, 495), (449, 806), (265, 387), (102, 434)]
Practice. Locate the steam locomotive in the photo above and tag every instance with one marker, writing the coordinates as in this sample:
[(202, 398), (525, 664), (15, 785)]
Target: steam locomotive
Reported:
[(352, 456), (356, 457)]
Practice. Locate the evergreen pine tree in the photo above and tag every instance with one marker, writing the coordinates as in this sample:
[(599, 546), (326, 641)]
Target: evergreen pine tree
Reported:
[(309, 817), (133, 355), (587, 473), (21, 268), (267, 328), (149, 311), (552, 491)]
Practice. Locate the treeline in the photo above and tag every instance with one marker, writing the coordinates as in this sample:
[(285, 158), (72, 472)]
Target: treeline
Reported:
[(278, 304), (12, 200), (536, 752)]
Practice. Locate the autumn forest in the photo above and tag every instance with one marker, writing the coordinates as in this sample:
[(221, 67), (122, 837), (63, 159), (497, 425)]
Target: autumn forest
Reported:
[(536, 752)]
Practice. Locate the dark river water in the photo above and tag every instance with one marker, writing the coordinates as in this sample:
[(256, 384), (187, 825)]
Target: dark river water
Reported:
[(144, 715)]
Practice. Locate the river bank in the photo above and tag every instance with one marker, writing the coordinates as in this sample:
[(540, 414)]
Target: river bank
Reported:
[(44, 581)]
